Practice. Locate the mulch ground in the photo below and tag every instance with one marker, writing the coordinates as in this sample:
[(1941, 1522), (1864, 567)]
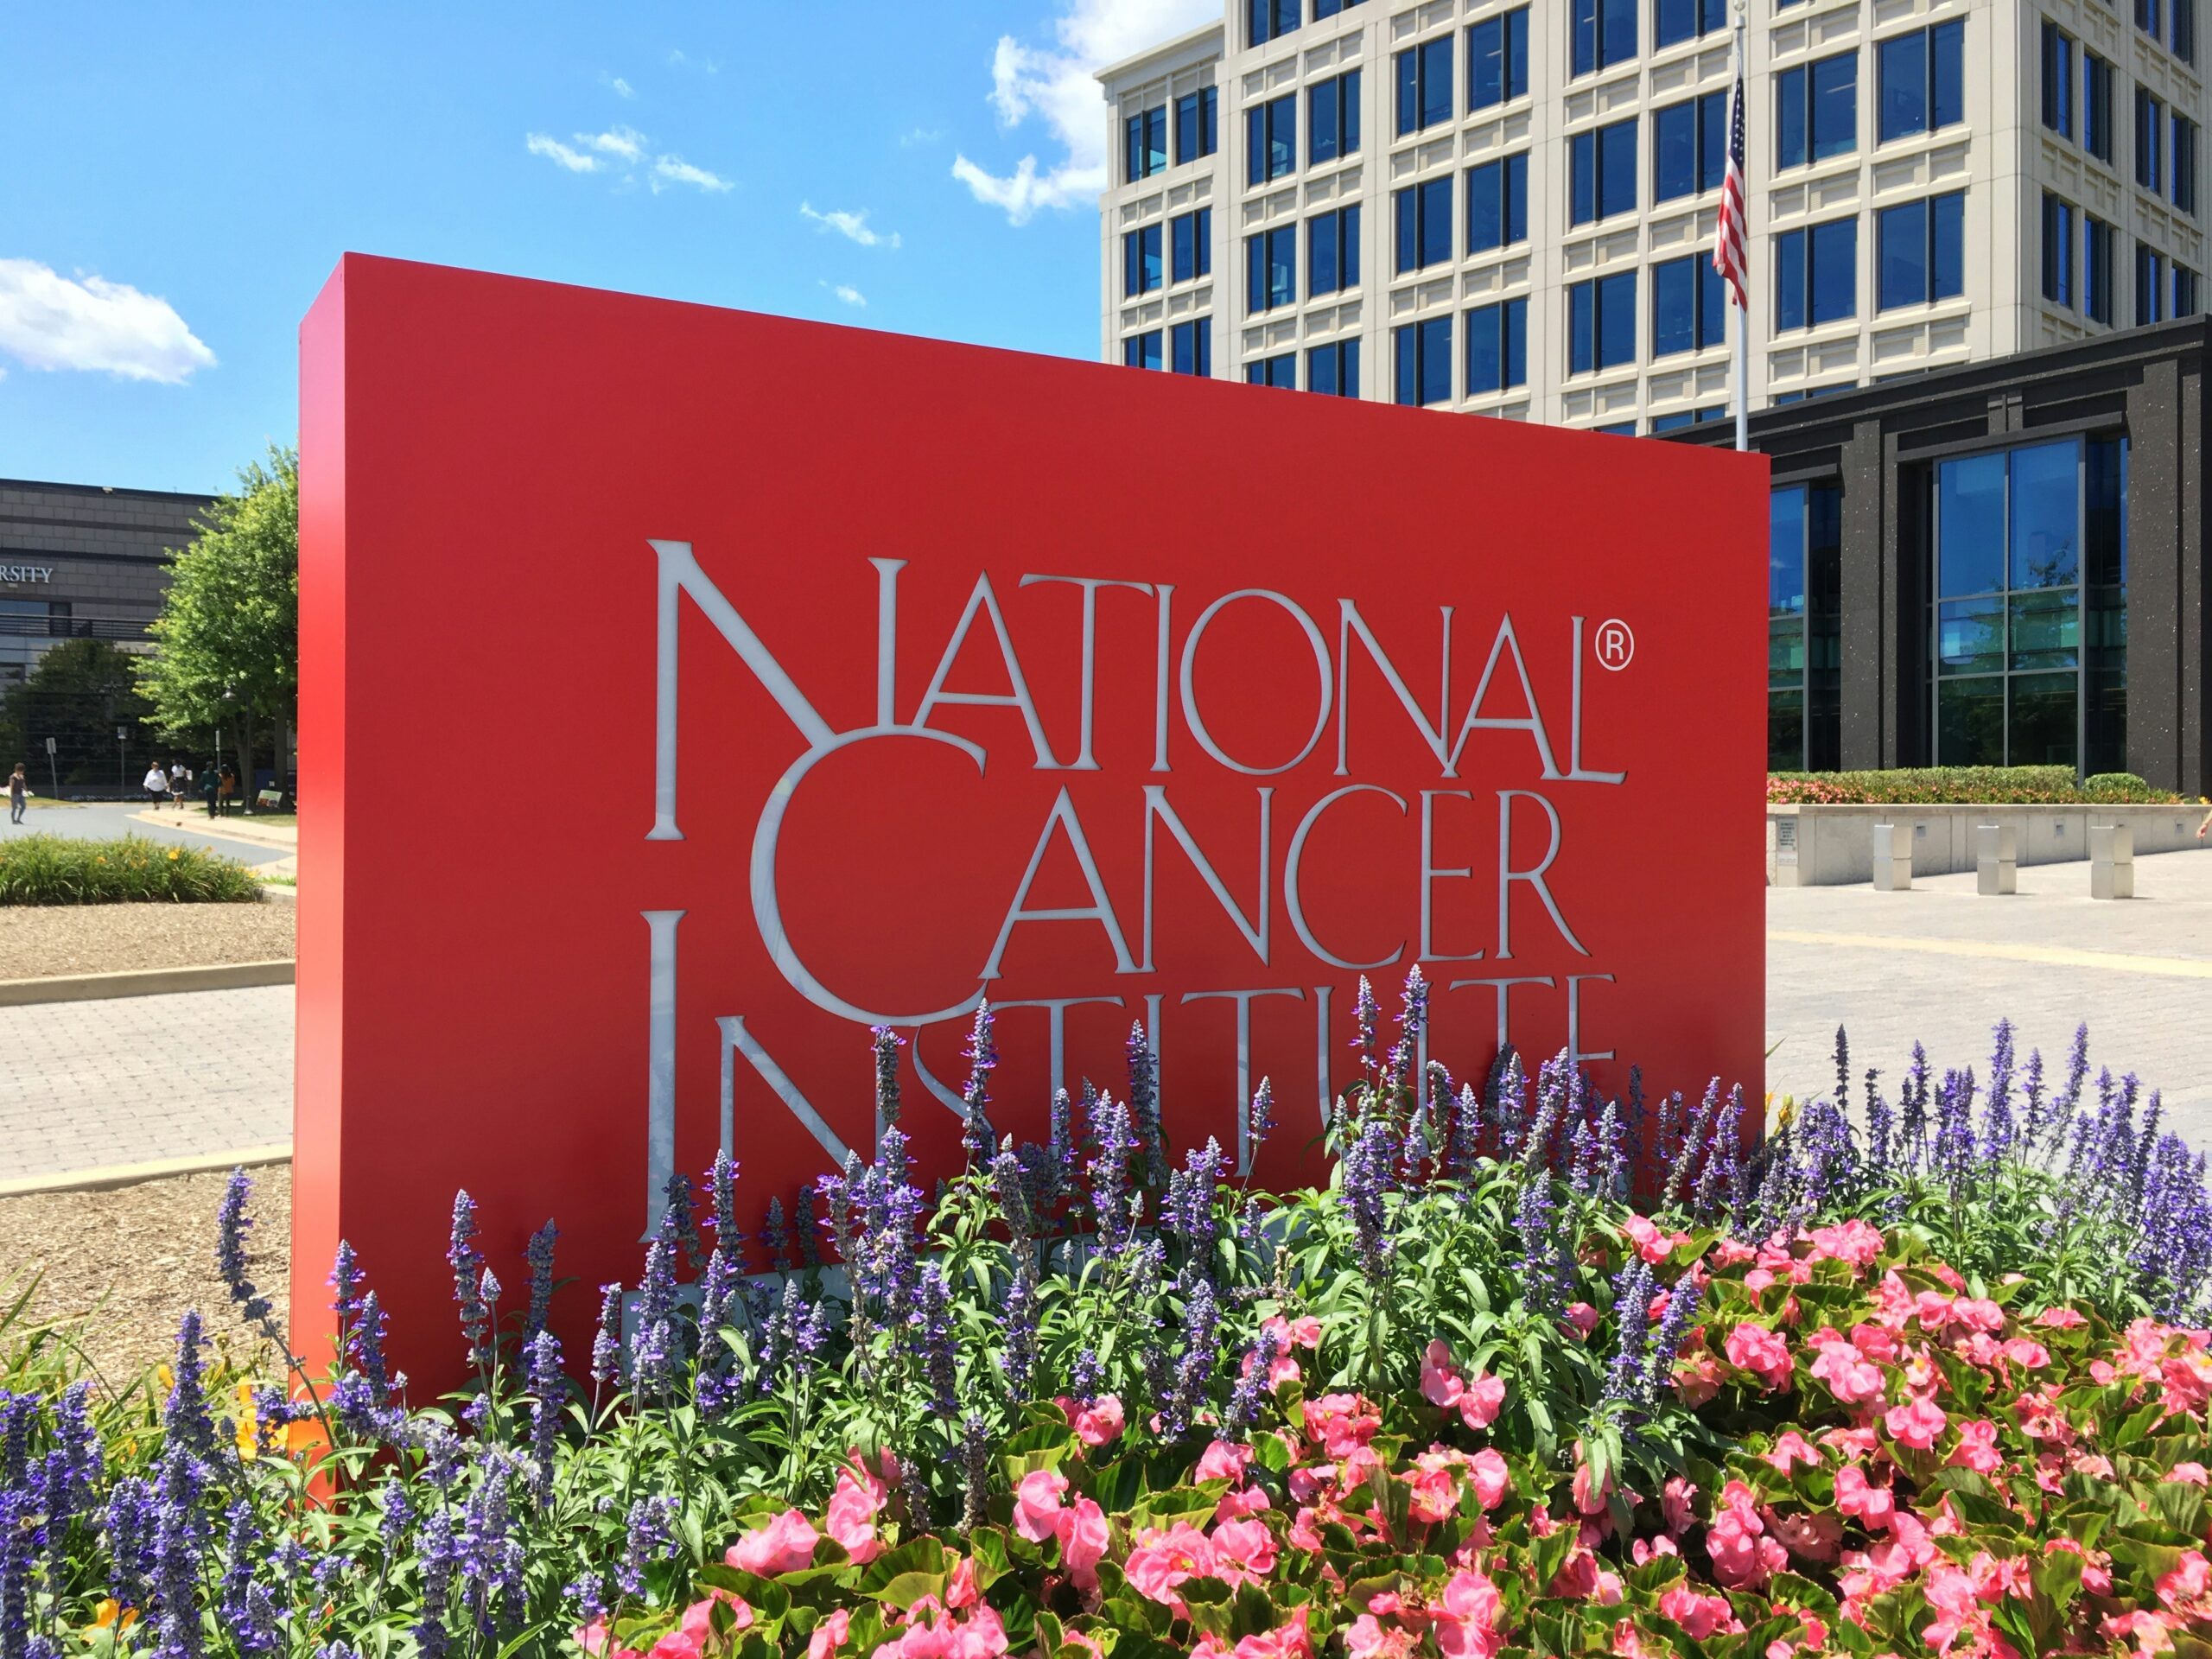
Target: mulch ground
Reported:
[(39, 941), (117, 1270)]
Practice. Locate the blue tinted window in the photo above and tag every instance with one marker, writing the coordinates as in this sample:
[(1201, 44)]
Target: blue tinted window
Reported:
[(1498, 59), (1604, 33), (1332, 118), (1196, 130), (1191, 345), (1141, 270), (2096, 269), (1497, 204), (1424, 361), (1280, 372), (1270, 19), (1424, 84), (1190, 239), (1332, 250), (2057, 249), (1970, 525), (1271, 269), (1816, 275), (1142, 351), (1689, 146), (1676, 20), (1785, 558), (2057, 80), (1816, 111), (1601, 323), (2150, 130), (2185, 300), (1331, 8), (2146, 17), (2096, 106), (1334, 370), (1498, 346), (1689, 306), (1271, 139), (1601, 173), (1923, 80), (1145, 143), (1920, 251), (1424, 225), (2183, 171), (2149, 286)]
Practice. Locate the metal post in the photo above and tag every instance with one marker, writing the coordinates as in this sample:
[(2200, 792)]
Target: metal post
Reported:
[(1743, 311)]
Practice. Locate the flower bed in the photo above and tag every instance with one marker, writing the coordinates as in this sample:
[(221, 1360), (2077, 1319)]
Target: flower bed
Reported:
[(42, 870), (1925, 1382), (1962, 786)]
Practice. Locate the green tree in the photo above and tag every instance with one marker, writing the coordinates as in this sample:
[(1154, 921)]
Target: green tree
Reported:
[(229, 632), (81, 692)]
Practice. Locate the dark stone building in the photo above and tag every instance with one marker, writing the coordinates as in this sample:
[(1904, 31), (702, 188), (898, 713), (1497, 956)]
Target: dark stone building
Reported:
[(2003, 563)]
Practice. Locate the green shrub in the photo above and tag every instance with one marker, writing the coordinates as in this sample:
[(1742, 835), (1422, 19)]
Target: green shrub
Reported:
[(57, 870), (1961, 786)]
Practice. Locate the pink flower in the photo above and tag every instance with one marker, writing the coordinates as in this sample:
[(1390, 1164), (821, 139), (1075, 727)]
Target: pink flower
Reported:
[(1440, 1382), (830, 1635), (2188, 1474), (1492, 1480), (1097, 1424), (1366, 1639), (1288, 1641), (1037, 1504), (1589, 1496), (1081, 1528), (678, 1643), (1702, 1617), (785, 1545), (1164, 1560), (1854, 1242), (1789, 1449), (1849, 1376), (1918, 1424), (850, 1521), (2027, 1353), (1857, 1496), (2059, 1319), (1755, 1349), (1224, 1460), (1483, 1397), (1466, 1627), (1581, 1318), (593, 1638), (2184, 1588), (1342, 1423), (1652, 1242), (1812, 1537), (1743, 1556), (1676, 1502), (1243, 1551), (1977, 1448), (1697, 1378)]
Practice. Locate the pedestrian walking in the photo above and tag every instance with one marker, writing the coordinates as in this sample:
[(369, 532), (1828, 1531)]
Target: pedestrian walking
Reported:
[(225, 791), (211, 780), (19, 791), (179, 779), (156, 784)]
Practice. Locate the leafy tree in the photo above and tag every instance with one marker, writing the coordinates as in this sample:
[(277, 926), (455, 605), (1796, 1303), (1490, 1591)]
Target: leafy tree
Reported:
[(80, 694), (229, 632)]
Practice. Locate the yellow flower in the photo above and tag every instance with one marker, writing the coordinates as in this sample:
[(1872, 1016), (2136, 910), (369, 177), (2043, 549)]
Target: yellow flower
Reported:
[(175, 852), (249, 1439), (166, 1377), (108, 1613)]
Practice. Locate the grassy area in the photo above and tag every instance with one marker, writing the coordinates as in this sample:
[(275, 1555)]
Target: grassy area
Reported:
[(41, 869)]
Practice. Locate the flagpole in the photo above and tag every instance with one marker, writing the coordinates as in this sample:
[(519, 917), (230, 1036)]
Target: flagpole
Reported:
[(1743, 364)]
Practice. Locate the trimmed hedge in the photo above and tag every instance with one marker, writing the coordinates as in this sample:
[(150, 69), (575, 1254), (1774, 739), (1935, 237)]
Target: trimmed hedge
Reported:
[(58, 870), (1962, 786)]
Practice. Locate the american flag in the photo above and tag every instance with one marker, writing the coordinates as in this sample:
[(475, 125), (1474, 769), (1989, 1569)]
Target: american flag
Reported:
[(1729, 256)]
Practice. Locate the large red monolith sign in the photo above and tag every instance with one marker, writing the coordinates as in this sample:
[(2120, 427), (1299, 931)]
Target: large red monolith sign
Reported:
[(686, 691)]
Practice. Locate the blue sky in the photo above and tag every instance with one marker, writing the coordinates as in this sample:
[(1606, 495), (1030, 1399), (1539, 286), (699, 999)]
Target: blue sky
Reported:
[(177, 181)]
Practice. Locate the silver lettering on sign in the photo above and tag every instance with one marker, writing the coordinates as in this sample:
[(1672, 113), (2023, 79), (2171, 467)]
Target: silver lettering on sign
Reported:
[(1293, 900), (1348, 621), (1100, 910), (737, 1040), (660, 1062), (1196, 723), (1156, 810), (983, 599), (1507, 875), (1430, 872), (1243, 1001), (1575, 769), (1505, 643), (1085, 761)]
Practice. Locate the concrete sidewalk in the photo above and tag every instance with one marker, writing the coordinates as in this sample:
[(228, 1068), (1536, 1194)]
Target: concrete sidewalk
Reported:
[(1941, 964)]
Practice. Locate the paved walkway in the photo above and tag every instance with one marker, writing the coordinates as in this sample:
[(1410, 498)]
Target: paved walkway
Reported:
[(87, 1085), (1942, 964)]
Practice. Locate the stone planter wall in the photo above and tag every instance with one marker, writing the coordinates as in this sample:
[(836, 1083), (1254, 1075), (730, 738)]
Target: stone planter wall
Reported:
[(1833, 846)]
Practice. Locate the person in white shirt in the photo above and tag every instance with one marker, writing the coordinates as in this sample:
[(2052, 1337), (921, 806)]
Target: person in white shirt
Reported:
[(156, 783), (179, 778)]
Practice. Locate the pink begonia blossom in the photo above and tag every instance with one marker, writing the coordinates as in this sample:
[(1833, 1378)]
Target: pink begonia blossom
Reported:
[(2188, 1474), (1789, 1449), (1677, 1501), (1702, 1617), (1037, 1504), (1476, 1401), (1341, 1422), (1288, 1641), (1100, 1423), (1878, 1343), (1083, 1532), (2060, 1319), (1811, 1537), (1697, 1378), (1467, 1624), (2027, 1353), (1491, 1476), (1854, 1241), (1581, 1318), (1977, 1448), (1165, 1559), (1589, 1496), (1744, 1558), (1755, 1349), (1652, 1242), (1367, 1638), (2185, 1588), (594, 1639), (1918, 1424), (1224, 1460), (830, 1635), (850, 1520), (1243, 1551), (960, 1589), (1857, 1496), (1850, 1376), (785, 1545)]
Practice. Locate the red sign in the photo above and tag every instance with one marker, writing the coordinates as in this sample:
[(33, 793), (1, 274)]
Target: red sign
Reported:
[(687, 691)]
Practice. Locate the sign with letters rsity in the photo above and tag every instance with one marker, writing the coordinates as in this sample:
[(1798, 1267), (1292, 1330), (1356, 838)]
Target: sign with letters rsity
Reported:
[(687, 691)]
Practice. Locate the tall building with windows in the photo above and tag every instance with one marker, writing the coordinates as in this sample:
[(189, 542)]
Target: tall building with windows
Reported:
[(1506, 206)]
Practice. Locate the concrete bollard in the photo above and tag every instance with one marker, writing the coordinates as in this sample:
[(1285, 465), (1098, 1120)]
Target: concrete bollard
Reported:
[(1892, 858), (2112, 861), (1997, 859)]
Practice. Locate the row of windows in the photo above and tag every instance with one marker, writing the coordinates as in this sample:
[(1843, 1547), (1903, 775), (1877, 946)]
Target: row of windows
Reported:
[(1190, 253), (2152, 19), (1603, 31), (1332, 370), (1144, 135), (2078, 269), (1331, 128), (2165, 141), (1498, 72), (1269, 19), (1190, 348), (1920, 256)]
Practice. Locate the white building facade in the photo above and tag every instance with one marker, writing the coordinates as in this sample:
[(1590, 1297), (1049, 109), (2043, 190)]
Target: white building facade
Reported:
[(1509, 208)]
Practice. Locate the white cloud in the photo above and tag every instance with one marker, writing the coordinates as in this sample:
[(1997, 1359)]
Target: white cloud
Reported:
[(918, 135), (848, 294), (852, 226), (553, 150), (675, 171), (705, 65), (626, 143), (622, 88), (1059, 84), (51, 321)]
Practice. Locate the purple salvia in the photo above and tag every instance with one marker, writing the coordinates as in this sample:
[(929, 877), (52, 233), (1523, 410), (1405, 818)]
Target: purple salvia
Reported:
[(887, 1044), (1144, 1106), (606, 1344), (1260, 1119), (468, 1264), (978, 1137)]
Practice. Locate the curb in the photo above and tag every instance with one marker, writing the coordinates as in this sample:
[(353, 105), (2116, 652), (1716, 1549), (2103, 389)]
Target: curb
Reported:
[(256, 834), (149, 982), (111, 1176)]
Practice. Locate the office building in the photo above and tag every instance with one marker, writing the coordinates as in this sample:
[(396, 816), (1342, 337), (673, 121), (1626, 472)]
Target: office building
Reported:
[(1509, 208)]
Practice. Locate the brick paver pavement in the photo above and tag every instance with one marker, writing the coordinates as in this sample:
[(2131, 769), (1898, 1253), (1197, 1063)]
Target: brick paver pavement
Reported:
[(87, 1085), (1942, 964)]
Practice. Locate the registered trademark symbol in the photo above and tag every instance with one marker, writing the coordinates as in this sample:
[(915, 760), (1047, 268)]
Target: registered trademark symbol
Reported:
[(1615, 645)]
